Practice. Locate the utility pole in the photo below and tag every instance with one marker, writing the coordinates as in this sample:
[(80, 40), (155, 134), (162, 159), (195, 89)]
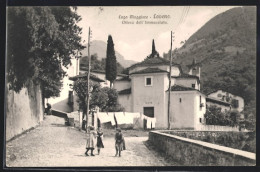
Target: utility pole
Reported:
[(169, 93), (89, 62)]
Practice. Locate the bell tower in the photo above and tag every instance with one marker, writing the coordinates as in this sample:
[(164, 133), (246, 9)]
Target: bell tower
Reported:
[(194, 69)]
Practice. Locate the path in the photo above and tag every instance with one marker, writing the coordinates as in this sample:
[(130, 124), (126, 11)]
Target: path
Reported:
[(53, 144)]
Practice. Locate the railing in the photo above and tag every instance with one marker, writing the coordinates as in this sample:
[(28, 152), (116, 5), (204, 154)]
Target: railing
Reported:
[(216, 128)]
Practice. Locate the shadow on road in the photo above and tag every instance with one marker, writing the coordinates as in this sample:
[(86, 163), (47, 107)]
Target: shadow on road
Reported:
[(58, 125)]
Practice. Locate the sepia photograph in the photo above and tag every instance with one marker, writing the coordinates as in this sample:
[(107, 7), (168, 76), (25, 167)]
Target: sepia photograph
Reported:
[(130, 86)]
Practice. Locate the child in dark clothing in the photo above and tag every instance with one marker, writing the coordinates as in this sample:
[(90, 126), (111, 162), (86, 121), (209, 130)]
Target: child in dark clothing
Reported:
[(120, 142), (99, 139)]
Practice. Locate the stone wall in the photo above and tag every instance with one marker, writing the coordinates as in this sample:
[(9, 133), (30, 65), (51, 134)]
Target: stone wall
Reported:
[(198, 153), (245, 141), (23, 110)]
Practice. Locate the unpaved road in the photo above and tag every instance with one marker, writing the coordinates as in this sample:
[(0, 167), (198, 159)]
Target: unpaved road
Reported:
[(52, 144)]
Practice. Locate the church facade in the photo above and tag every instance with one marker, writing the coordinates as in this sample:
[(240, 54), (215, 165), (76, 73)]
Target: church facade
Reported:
[(146, 90)]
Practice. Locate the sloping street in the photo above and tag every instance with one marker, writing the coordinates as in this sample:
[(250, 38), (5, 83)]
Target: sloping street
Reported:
[(53, 144)]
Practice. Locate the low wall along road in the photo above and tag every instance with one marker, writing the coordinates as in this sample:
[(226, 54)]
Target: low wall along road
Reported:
[(198, 153)]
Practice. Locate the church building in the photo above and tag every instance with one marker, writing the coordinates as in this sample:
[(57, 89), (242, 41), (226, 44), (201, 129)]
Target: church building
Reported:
[(146, 90)]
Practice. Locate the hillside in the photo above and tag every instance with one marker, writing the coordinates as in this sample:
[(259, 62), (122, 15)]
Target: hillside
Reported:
[(225, 47), (100, 48), (99, 65)]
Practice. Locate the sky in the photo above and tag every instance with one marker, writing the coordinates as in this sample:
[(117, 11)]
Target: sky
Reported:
[(134, 41)]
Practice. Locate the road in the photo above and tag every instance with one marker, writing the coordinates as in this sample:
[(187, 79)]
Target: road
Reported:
[(52, 144)]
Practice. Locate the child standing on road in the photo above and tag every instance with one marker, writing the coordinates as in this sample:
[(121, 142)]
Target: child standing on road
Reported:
[(91, 137), (120, 142), (99, 139)]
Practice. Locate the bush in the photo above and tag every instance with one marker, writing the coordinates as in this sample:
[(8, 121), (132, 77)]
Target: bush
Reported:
[(238, 140)]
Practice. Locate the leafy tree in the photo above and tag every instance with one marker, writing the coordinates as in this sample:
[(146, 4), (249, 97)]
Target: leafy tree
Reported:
[(111, 65), (98, 97), (214, 116), (104, 98), (80, 86), (112, 104), (40, 41)]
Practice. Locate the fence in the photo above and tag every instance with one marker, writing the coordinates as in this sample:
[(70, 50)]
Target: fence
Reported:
[(216, 128)]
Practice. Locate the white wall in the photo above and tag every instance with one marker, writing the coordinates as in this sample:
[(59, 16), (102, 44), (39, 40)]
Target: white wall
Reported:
[(61, 103), (199, 111), (240, 102), (122, 85), (187, 82), (150, 96), (182, 113), (223, 93), (24, 110), (125, 100)]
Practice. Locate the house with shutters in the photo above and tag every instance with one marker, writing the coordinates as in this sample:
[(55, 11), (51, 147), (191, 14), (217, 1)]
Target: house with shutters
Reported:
[(235, 102), (146, 90)]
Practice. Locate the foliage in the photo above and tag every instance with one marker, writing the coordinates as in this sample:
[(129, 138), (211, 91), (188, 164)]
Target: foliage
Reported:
[(104, 98), (239, 140), (214, 116), (40, 41), (80, 87), (98, 97), (250, 116), (112, 103), (227, 56), (97, 64), (111, 68), (215, 48)]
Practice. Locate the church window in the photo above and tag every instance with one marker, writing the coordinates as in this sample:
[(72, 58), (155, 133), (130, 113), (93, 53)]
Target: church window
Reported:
[(148, 81), (193, 85)]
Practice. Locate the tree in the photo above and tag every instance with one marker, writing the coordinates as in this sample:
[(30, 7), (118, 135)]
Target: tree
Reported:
[(41, 40), (80, 86), (98, 96), (112, 104), (214, 116), (111, 65), (104, 98)]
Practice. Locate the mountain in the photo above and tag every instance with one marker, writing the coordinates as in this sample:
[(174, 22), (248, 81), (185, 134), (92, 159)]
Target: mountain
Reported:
[(225, 48), (100, 48)]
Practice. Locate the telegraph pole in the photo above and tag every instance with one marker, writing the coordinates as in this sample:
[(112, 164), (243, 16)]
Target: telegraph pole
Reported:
[(169, 93), (89, 62)]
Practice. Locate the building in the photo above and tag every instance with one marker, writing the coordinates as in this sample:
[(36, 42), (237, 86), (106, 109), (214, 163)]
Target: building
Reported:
[(225, 106), (102, 75), (61, 103), (146, 88), (66, 102), (236, 102)]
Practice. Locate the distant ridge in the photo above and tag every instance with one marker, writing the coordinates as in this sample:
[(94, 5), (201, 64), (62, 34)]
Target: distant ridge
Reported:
[(100, 48), (225, 47)]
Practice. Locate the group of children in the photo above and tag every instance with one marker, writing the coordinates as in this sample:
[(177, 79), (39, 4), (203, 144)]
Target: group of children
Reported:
[(95, 138)]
